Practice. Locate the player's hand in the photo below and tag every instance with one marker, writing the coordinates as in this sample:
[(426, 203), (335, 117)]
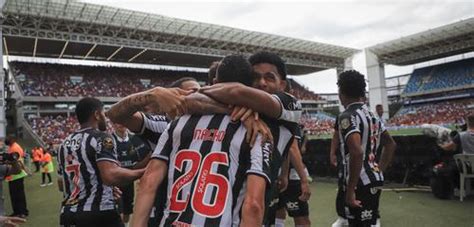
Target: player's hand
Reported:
[(333, 159), (169, 100), (255, 127), (305, 191), (117, 193), (242, 113), (282, 183), (11, 221), (352, 201)]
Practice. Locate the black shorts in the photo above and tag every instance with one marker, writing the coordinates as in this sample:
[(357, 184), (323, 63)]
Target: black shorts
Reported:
[(368, 214), (109, 218), (289, 199), (126, 201)]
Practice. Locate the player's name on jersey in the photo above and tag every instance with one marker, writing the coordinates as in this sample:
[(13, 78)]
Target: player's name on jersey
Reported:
[(209, 134)]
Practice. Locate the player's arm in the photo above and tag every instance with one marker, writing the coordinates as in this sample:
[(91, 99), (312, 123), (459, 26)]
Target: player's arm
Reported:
[(355, 165), (154, 174), (349, 127), (389, 147), (143, 163), (114, 175), (297, 162), (282, 182), (253, 208), (110, 171), (167, 100), (240, 95), (198, 103)]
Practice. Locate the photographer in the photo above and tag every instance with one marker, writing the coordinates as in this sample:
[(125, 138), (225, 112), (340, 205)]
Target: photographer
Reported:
[(8, 165), (464, 140)]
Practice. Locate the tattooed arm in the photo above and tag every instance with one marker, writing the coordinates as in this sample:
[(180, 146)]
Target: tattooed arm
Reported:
[(166, 100), (198, 103)]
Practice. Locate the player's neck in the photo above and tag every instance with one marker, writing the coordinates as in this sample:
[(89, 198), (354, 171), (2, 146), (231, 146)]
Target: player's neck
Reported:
[(89, 125)]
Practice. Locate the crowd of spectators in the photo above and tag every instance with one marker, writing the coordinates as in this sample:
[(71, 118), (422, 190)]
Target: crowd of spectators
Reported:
[(53, 129), (441, 113), (57, 80), (61, 80), (318, 124), (450, 75)]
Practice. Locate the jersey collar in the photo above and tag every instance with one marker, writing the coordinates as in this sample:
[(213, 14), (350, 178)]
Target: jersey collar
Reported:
[(354, 103), (120, 139)]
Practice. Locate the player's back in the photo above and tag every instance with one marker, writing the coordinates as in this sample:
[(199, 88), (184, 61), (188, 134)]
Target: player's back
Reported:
[(83, 188), (208, 164)]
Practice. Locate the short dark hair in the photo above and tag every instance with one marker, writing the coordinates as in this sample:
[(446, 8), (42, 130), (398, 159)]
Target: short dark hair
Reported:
[(269, 58), (212, 72), (235, 68), (179, 82), (86, 107), (352, 84)]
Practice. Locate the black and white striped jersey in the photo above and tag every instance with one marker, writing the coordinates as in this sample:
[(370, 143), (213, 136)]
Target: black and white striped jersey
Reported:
[(357, 118), (83, 189), (208, 162), (152, 128)]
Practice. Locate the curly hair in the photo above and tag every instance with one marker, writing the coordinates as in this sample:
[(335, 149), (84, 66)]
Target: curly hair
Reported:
[(269, 58), (352, 84)]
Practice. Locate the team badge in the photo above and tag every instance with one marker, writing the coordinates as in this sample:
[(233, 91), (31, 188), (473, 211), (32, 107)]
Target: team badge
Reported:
[(108, 143), (345, 123)]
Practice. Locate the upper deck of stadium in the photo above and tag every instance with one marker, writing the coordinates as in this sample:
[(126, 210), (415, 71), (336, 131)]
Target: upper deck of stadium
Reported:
[(444, 41), (76, 30)]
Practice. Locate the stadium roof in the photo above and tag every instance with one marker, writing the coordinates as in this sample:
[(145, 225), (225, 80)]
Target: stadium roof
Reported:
[(71, 29), (444, 41)]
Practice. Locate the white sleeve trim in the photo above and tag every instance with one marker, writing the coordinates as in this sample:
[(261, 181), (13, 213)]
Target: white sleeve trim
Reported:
[(259, 173), (288, 115), (161, 157), (108, 159), (350, 132)]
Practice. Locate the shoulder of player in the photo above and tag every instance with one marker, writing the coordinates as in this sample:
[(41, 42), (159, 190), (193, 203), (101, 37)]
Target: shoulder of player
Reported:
[(347, 114), (288, 101)]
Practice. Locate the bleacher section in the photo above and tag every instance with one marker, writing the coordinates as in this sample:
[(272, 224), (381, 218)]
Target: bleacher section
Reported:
[(442, 113), (318, 124), (44, 80), (449, 76), (56, 80)]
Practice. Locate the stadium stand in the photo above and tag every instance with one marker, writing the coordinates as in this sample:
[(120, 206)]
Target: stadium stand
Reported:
[(61, 80), (453, 75), (53, 129), (40, 79), (442, 113), (318, 124)]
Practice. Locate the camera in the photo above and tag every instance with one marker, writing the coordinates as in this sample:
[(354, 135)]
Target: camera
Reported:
[(7, 157)]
